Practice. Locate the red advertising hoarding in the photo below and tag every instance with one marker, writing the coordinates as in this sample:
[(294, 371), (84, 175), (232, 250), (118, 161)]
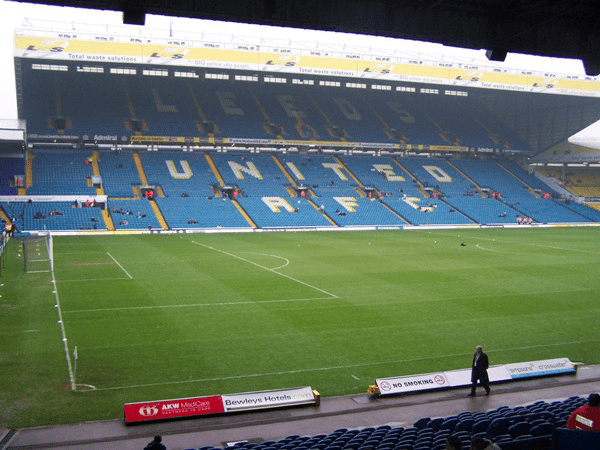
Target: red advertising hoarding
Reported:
[(171, 409)]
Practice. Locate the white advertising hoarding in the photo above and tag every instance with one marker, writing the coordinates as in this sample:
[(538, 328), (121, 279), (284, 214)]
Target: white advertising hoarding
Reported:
[(268, 399)]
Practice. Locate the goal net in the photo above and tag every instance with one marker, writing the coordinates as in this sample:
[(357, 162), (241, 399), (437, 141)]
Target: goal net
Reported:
[(37, 253)]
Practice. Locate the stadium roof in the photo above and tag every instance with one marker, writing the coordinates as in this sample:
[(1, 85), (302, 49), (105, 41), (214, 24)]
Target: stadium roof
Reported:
[(568, 28)]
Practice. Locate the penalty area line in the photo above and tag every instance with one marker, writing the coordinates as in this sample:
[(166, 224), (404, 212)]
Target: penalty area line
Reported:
[(92, 279), (120, 266), (198, 305), (265, 268)]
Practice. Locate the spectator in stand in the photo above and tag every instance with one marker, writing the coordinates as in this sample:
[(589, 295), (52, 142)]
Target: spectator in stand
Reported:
[(156, 444), (480, 443), (586, 417), (453, 443)]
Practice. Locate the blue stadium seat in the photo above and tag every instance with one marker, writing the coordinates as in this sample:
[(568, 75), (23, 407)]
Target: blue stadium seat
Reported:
[(422, 422), (498, 426), (519, 429)]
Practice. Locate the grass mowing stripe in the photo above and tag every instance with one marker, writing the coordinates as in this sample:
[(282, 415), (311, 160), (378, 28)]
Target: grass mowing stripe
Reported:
[(266, 268), (348, 366), (413, 302)]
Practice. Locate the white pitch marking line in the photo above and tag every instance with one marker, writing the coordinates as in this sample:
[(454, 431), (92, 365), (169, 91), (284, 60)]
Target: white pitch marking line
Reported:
[(496, 251), (92, 279), (193, 305), (117, 263), (322, 369), (355, 377), (265, 268), (287, 261), (502, 241), (64, 334)]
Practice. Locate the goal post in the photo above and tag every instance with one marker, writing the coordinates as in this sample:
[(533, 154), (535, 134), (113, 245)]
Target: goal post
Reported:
[(38, 255), (3, 242)]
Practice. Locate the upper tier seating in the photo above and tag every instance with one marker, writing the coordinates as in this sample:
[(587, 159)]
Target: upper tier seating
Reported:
[(228, 106), (9, 167)]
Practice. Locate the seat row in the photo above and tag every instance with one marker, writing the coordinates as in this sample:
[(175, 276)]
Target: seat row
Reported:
[(518, 428)]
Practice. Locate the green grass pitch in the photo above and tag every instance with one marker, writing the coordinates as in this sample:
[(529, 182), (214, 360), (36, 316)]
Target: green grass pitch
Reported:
[(171, 316)]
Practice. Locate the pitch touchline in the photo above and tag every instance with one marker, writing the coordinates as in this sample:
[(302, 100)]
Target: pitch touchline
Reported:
[(64, 334), (322, 369), (131, 308), (265, 268)]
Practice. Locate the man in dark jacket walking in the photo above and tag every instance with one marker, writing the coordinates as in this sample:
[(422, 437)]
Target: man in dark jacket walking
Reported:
[(479, 371)]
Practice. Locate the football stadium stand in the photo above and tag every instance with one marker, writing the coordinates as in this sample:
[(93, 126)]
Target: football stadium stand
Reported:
[(312, 151), (237, 105), (60, 173), (522, 427), (196, 190)]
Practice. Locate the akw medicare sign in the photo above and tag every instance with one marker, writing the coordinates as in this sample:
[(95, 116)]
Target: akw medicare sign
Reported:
[(199, 406), (170, 409)]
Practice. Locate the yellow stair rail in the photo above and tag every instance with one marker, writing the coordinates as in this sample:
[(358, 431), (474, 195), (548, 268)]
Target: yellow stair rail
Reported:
[(96, 170), (4, 217), (244, 213), (349, 172), (140, 169), (29, 171), (214, 169), (159, 216), (329, 219), (110, 226), (284, 170)]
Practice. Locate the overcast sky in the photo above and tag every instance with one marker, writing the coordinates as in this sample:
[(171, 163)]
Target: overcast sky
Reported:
[(23, 15)]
